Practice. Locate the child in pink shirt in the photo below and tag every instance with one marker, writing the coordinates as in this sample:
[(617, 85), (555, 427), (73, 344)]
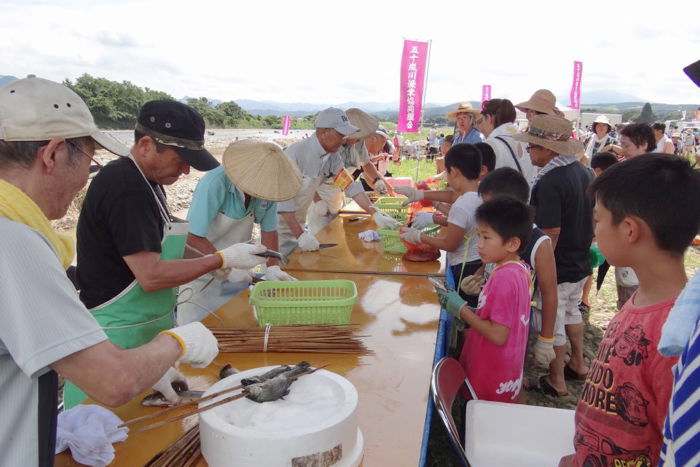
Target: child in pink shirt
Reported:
[(494, 347)]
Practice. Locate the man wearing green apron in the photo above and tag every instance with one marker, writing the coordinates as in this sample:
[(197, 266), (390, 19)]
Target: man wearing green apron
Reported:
[(228, 200), (130, 249)]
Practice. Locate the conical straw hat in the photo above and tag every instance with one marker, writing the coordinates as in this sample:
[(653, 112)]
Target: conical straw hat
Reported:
[(366, 123), (262, 170)]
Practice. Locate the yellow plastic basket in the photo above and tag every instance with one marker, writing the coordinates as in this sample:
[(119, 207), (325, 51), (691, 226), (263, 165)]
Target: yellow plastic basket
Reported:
[(393, 206), (303, 302)]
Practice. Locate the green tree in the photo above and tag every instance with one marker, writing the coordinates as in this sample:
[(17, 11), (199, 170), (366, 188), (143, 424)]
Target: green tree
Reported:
[(647, 115)]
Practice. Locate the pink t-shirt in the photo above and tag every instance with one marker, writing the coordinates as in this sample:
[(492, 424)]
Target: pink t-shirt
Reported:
[(496, 371), (620, 416)]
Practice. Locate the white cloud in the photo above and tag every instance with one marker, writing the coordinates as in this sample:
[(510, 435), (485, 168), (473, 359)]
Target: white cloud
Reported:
[(316, 52)]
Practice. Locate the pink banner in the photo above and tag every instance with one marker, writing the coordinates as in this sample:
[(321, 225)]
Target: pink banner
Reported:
[(485, 93), (286, 125), (413, 66), (575, 94)]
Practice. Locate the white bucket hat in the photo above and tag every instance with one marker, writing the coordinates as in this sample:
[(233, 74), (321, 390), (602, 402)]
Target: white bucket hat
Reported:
[(36, 109), (262, 170)]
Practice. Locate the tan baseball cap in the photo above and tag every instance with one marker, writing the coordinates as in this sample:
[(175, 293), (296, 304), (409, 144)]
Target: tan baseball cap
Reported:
[(36, 109)]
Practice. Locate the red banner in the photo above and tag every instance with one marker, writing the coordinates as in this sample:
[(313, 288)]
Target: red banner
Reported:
[(413, 66)]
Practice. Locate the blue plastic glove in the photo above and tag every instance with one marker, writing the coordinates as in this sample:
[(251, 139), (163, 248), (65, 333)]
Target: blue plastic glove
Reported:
[(452, 302)]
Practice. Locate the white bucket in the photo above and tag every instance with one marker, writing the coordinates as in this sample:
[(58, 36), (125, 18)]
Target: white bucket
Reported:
[(315, 421)]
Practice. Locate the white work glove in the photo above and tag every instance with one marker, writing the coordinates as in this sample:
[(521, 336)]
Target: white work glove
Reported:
[(412, 194), (380, 186), (274, 273), (544, 351), (307, 242), (384, 221), (411, 235), (240, 275), (198, 344), (242, 256), (422, 220), (221, 274), (320, 208), (165, 384)]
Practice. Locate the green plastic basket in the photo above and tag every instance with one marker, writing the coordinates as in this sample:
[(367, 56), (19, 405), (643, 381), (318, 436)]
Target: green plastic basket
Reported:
[(392, 206), (281, 303), (392, 243)]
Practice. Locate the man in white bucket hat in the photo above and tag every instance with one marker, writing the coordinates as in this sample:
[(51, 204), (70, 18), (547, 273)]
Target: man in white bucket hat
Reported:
[(318, 160), (47, 141)]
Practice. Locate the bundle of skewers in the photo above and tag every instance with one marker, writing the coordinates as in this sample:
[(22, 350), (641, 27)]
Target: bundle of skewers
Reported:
[(305, 339), (185, 452)]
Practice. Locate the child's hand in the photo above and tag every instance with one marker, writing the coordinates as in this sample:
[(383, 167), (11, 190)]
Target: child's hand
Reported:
[(452, 302)]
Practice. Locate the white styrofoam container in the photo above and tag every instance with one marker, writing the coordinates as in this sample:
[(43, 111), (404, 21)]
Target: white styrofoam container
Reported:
[(236, 433)]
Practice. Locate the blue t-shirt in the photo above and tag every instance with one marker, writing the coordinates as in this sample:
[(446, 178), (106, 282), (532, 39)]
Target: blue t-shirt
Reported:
[(216, 194)]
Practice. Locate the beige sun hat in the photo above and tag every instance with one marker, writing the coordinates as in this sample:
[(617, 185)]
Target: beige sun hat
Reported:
[(462, 108), (543, 100), (552, 132), (262, 170), (366, 123)]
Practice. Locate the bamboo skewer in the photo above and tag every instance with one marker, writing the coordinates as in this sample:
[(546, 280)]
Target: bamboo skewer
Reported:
[(184, 452), (370, 273)]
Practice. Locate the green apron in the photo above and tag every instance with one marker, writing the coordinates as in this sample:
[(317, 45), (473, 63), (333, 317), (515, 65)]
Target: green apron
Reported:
[(134, 317)]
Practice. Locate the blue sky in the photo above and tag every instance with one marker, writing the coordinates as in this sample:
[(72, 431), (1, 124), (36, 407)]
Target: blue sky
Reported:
[(317, 52)]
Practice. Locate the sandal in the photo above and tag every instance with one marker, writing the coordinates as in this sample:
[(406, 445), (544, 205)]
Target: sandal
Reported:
[(547, 388), (584, 309), (570, 373)]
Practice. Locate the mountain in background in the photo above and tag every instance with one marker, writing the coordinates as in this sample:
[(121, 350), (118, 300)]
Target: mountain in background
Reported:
[(4, 79)]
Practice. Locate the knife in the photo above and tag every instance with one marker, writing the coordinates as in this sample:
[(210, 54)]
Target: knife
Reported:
[(269, 254), (326, 245)]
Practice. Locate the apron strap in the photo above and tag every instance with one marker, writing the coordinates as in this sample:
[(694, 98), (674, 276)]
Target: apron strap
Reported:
[(47, 414), (160, 200)]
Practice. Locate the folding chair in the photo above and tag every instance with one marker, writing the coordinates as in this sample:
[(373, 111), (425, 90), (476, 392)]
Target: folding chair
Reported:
[(499, 434)]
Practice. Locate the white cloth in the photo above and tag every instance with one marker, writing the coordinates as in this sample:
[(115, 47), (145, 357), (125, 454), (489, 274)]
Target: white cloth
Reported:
[(462, 215), (558, 161), (661, 143), (596, 145), (369, 236), (503, 155), (89, 432)]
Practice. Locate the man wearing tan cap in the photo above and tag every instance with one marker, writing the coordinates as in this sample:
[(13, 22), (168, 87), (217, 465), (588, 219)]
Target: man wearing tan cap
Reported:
[(226, 204), (47, 141), (464, 116), (564, 212), (318, 160)]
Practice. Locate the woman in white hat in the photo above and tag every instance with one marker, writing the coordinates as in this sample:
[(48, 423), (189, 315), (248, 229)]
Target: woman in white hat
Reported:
[(464, 116), (227, 202), (601, 136)]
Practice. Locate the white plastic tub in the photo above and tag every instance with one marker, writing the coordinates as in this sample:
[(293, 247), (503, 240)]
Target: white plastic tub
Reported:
[(316, 420)]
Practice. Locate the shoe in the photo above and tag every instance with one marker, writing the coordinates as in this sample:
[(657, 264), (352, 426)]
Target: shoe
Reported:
[(570, 373), (548, 389)]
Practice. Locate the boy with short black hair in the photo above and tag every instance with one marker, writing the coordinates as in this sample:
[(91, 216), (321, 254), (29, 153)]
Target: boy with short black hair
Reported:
[(620, 416), (602, 161), (494, 347)]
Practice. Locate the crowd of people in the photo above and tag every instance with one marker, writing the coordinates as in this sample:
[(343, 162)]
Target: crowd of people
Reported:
[(519, 215)]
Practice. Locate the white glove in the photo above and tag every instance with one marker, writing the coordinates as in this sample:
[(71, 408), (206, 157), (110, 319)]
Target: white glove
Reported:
[(544, 351), (165, 384), (422, 220), (274, 273), (385, 222), (199, 346), (240, 275), (242, 256), (307, 242), (412, 194), (380, 186), (411, 235), (221, 274), (320, 208)]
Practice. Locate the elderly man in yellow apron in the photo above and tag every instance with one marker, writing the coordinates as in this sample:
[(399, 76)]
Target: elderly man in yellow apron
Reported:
[(227, 202), (319, 160), (329, 198), (130, 249)]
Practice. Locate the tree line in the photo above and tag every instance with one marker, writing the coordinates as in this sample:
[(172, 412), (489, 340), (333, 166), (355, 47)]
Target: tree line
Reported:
[(116, 105)]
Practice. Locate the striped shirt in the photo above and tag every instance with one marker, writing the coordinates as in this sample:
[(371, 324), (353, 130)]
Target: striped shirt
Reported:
[(682, 427)]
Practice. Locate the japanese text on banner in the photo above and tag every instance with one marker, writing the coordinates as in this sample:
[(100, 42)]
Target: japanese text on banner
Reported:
[(413, 66), (575, 94)]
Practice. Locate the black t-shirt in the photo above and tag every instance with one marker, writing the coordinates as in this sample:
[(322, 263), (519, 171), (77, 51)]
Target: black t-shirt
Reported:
[(119, 217), (528, 254), (560, 200)]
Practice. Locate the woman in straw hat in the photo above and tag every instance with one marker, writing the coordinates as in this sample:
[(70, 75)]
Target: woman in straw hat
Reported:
[(601, 136), (228, 200), (542, 102), (464, 116), (564, 212)]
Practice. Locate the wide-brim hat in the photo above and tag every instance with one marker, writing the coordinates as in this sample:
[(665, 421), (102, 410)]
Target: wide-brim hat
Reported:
[(552, 132), (262, 170), (366, 123), (543, 101), (602, 119), (463, 108)]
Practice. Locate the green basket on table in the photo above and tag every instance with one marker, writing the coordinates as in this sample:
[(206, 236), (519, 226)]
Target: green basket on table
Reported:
[(282, 303), (392, 243), (393, 206)]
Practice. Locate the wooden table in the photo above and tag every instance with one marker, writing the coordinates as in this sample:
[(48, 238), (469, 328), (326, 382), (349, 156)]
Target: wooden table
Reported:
[(400, 316)]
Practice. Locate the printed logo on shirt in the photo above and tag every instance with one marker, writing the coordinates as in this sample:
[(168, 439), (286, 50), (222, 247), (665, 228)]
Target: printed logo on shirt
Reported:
[(512, 386), (601, 448)]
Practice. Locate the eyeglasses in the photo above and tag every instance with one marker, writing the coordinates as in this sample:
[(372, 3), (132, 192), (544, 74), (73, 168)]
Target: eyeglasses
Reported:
[(75, 147)]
